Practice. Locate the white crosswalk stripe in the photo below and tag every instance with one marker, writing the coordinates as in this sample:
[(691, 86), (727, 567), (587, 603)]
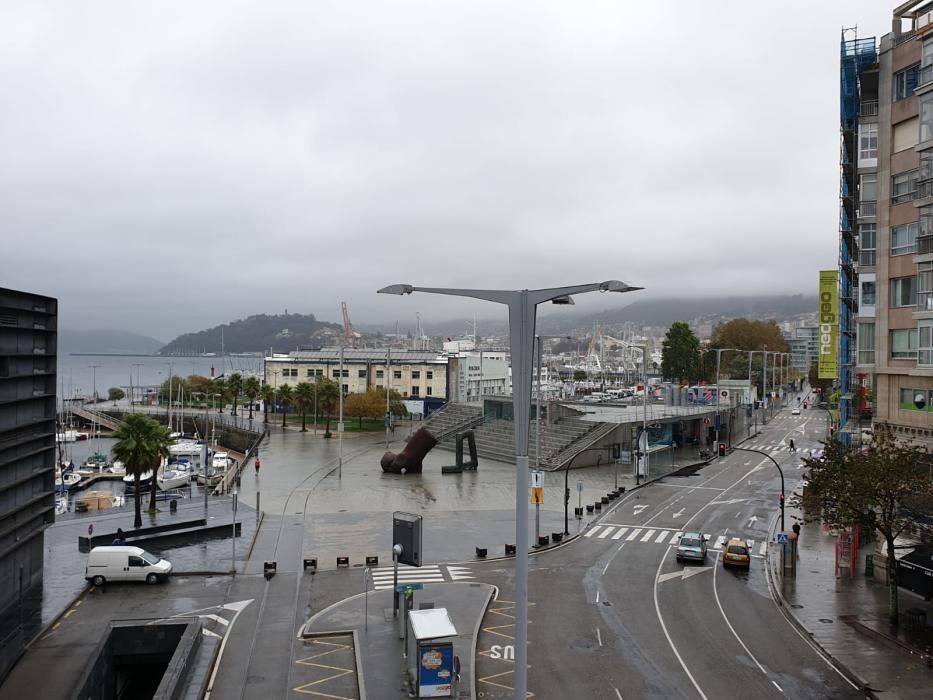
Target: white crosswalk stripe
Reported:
[(384, 577), (666, 536)]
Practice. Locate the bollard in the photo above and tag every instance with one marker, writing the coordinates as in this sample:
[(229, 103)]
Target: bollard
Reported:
[(310, 564), (268, 569), (557, 536), (372, 561), (869, 565), (173, 505), (543, 540), (604, 500), (481, 552), (598, 505), (343, 562), (510, 550), (589, 508)]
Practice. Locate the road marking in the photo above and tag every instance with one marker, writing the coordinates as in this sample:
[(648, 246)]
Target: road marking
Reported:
[(682, 486), (597, 593), (661, 538), (675, 537), (720, 541), (599, 637), (777, 686), (678, 513), (635, 533), (592, 531), (639, 509), (763, 548), (621, 531), (648, 535), (730, 501), (606, 532), (618, 694), (684, 574), (752, 520), (729, 624)]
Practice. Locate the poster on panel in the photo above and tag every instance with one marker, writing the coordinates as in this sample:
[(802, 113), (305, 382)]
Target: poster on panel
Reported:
[(828, 325)]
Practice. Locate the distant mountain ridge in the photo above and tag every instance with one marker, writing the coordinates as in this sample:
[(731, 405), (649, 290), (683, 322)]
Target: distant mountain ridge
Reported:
[(72, 340), (281, 333)]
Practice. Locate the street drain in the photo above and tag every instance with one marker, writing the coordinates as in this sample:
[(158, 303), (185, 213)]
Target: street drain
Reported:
[(826, 621), (796, 606), (607, 603)]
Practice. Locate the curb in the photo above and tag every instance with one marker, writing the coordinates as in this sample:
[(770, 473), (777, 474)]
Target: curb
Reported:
[(792, 619), (45, 628), (476, 628)]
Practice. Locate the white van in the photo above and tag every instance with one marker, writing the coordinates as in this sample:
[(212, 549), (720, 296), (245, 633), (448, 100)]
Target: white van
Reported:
[(125, 563)]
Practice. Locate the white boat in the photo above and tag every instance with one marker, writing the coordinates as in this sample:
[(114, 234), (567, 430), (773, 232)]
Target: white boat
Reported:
[(187, 448), (66, 481), (117, 468), (213, 477), (145, 481), (67, 436), (173, 476), (221, 460)]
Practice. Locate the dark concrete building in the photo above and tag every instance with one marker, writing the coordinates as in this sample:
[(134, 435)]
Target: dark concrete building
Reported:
[(28, 349)]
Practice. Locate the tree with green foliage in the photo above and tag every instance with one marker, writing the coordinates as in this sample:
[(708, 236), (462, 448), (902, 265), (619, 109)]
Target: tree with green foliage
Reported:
[(328, 393), (141, 445), (220, 393), (680, 353), (285, 400), (579, 375), (235, 387), (267, 394), (885, 487), (115, 393), (304, 402), (251, 388)]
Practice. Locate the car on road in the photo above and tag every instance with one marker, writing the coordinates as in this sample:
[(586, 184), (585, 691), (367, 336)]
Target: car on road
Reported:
[(692, 546), (736, 553), (795, 412), (125, 563)]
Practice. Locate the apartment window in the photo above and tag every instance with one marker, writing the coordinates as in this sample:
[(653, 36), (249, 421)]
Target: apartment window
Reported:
[(868, 294), (904, 239), (415, 374), (903, 292), (346, 373), (346, 389), (397, 374), (925, 354), (909, 398), (295, 372), (414, 391), (335, 373), (429, 374), (319, 373), (309, 373), (866, 244), (903, 342), (905, 82), (868, 137), (868, 187), (925, 286), (428, 391), (379, 374), (904, 186), (361, 373), (926, 118), (866, 343)]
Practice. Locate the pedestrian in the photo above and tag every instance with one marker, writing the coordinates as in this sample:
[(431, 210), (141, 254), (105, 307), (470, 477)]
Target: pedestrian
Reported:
[(792, 447), (120, 538)]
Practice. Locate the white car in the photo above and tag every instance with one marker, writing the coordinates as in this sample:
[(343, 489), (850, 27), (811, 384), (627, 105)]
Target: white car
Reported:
[(795, 412)]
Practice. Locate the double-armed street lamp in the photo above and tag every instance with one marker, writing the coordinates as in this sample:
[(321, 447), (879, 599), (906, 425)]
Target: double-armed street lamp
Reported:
[(780, 471), (522, 305)]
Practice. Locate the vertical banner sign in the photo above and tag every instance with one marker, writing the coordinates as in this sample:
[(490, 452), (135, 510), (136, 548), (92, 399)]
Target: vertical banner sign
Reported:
[(829, 325), (435, 670)]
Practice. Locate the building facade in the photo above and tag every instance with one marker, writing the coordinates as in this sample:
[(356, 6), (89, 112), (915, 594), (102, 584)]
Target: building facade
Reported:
[(891, 264), (28, 349)]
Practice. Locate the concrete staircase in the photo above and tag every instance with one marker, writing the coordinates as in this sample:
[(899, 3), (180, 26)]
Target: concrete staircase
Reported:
[(451, 419), (560, 442)]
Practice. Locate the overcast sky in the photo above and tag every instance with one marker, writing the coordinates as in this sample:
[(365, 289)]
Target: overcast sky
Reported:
[(168, 166)]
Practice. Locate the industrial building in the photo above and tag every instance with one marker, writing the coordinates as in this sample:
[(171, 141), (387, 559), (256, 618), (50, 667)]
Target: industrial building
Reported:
[(28, 349), (886, 227)]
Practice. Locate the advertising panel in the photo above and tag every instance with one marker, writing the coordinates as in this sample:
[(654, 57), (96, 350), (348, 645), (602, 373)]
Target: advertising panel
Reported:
[(828, 325), (435, 670)]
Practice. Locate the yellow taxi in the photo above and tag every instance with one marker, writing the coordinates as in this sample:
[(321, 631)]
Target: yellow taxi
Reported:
[(736, 553)]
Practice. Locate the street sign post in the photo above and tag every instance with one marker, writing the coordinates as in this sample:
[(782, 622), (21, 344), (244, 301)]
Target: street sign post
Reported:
[(782, 538), (537, 497)]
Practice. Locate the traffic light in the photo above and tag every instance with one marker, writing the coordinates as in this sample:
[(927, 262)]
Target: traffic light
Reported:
[(722, 449), (781, 498)]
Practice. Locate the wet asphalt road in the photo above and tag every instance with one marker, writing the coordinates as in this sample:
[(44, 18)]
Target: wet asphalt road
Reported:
[(615, 616)]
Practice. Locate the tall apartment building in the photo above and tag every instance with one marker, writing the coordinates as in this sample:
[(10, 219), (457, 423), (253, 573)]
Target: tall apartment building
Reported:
[(28, 348), (887, 261)]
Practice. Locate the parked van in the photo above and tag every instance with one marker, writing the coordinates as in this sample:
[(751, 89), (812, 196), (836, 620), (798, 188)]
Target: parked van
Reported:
[(125, 563)]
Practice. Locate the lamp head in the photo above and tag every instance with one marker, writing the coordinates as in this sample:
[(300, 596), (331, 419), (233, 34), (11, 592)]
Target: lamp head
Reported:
[(565, 300), (617, 286), (397, 289)]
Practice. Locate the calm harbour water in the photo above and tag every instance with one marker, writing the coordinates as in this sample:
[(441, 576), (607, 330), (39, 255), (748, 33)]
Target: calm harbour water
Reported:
[(76, 373)]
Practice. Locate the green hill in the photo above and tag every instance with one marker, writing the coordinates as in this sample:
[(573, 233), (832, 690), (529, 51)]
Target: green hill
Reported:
[(281, 333)]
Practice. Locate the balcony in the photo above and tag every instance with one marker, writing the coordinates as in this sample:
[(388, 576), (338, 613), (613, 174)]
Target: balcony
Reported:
[(868, 109), (925, 76), (924, 245), (924, 302), (866, 258), (867, 209)]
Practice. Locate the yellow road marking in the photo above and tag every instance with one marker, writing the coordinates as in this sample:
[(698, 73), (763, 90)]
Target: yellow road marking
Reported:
[(69, 614), (305, 689)]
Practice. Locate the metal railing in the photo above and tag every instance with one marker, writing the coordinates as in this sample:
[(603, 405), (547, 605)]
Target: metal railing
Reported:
[(925, 301), (866, 258), (868, 109), (924, 245), (925, 76), (867, 209)]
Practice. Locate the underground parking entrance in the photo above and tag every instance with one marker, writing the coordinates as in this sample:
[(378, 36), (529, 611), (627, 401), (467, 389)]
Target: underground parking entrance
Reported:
[(142, 659)]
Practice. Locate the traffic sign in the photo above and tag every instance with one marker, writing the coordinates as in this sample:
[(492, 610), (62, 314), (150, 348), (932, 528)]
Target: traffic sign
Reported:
[(706, 421), (402, 587), (537, 479), (782, 538), (537, 495), (90, 530), (579, 487)]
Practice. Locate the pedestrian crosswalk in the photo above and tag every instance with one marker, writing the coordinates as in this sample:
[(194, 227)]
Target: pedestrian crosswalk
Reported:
[(666, 536), (384, 577), (775, 448)]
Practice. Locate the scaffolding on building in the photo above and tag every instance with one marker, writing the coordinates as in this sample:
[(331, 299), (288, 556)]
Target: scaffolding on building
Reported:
[(856, 55)]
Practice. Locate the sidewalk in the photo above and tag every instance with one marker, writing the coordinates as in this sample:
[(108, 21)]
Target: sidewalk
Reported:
[(847, 618)]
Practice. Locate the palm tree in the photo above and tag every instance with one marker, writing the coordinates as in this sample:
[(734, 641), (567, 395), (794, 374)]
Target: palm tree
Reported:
[(235, 386), (141, 445), (220, 390), (267, 394), (304, 400), (285, 400), (328, 396), (251, 388)]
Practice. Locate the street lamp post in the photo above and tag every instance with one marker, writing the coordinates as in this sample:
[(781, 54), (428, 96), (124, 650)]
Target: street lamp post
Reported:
[(137, 365), (340, 421), (522, 305), (275, 391), (780, 471), (719, 352)]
